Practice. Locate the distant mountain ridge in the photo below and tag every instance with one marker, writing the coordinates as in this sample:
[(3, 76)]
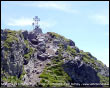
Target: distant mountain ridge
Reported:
[(33, 58)]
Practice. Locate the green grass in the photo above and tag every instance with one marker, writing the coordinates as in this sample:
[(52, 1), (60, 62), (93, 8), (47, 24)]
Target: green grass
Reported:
[(27, 55), (71, 51), (100, 62), (26, 43), (58, 36), (20, 34), (85, 54), (103, 79), (13, 79), (54, 73), (87, 59), (11, 38), (92, 61), (31, 50), (13, 33), (5, 54)]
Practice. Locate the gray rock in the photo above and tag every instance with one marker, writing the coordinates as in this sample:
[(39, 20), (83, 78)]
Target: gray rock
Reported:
[(42, 46), (43, 56), (46, 47), (80, 72), (103, 70), (25, 34), (38, 30), (71, 43), (3, 35), (34, 41), (65, 55), (28, 70), (35, 55), (56, 41), (31, 36), (77, 49), (25, 62)]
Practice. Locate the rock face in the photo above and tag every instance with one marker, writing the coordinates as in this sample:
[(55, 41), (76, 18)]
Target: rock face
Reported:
[(25, 34), (80, 72), (25, 56), (12, 58)]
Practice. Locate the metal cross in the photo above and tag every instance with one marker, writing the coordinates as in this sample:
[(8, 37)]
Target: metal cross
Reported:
[(35, 23)]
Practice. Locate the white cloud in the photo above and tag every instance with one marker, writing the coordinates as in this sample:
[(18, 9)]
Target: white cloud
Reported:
[(100, 19), (62, 6), (28, 22), (46, 25), (20, 22), (56, 5)]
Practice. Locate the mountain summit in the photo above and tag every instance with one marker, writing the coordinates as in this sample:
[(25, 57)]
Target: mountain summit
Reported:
[(47, 60)]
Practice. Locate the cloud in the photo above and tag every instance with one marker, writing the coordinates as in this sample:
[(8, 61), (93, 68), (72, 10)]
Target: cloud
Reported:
[(20, 22), (100, 19), (57, 5), (47, 24), (28, 22), (62, 6)]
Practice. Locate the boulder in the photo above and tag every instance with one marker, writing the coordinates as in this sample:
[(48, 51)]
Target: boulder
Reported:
[(42, 46), (77, 49), (71, 43), (32, 35), (25, 34), (43, 56), (34, 41), (25, 62)]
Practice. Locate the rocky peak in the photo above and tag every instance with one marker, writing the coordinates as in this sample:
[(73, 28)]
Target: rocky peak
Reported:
[(34, 57)]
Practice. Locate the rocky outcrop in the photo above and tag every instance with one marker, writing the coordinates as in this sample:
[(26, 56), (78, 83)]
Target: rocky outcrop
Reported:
[(12, 58), (26, 54), (25, 34), (103, 69), (80, 72), (71, 43)]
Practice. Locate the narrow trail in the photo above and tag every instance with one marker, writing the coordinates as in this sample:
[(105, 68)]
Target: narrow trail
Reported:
[(33, 70)]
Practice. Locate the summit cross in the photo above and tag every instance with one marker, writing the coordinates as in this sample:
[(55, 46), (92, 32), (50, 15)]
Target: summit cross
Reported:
[(35, 23)]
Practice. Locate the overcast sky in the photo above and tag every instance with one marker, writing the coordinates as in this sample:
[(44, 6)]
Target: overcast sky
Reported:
[(86, 23)]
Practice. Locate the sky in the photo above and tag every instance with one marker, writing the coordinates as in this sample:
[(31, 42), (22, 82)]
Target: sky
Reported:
[(84, 22)]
